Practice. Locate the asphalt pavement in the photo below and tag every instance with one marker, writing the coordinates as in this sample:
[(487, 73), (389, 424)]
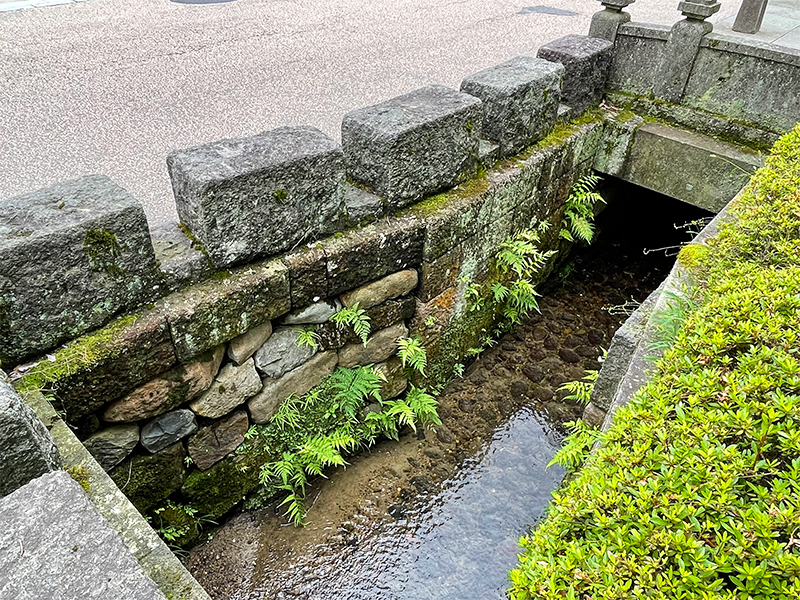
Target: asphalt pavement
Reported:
[(111, 86)]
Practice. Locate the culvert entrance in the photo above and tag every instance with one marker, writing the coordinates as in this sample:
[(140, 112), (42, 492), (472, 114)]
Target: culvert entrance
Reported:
[(440, 517)]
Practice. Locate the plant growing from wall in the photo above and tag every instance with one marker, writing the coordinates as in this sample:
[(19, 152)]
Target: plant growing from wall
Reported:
[(311, 433), (355, 317), (579, 211)]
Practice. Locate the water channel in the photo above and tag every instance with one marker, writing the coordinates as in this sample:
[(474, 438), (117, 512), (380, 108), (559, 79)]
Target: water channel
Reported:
[(439, 516)]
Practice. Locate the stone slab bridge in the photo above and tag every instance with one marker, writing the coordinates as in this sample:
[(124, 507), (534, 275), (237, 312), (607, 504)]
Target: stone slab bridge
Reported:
[(138, 360)]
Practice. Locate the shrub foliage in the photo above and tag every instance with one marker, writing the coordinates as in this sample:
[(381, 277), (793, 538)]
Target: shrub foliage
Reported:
[(695, 490)]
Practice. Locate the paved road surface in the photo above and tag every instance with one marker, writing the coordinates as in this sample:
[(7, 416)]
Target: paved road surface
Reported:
[(111, 86)]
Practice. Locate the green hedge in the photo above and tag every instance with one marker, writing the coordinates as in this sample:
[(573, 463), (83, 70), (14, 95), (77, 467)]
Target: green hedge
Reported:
[(695, 492)]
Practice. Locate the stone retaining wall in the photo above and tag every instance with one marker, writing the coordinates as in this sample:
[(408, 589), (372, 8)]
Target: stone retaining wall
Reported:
[(280, 231)]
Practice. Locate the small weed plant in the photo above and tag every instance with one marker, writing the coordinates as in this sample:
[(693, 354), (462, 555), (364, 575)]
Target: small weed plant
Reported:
[(355, 317)]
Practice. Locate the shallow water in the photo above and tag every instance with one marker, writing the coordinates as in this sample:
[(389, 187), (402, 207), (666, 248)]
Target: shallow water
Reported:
[(441, 517), (459, 543)]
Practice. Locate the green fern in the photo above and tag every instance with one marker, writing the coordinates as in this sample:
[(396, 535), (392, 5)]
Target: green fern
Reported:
[(424, 406), (579, 211), (355, 317), (308, 336), (577, 446), (353, 387), (402, 412), (412, 354)]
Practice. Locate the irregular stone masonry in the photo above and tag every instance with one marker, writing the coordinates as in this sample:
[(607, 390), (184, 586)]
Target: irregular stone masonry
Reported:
[(196, 368)]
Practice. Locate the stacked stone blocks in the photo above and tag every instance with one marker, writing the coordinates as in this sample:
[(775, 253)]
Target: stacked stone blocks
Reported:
[(165, 397)]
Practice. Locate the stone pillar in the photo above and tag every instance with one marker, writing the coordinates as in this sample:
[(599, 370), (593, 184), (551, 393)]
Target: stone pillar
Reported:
[(606, 22), (750, 16), (682, 46)]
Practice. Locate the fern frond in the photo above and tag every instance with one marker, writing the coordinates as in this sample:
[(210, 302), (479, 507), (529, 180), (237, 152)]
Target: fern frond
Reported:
[(577, 446), (353, 387), (412, 354), (308, 336), (357, 318), (402, 412), (424, 406)]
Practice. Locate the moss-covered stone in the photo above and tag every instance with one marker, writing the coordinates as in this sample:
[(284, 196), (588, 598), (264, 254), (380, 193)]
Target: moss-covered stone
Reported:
[(147, 480), (216, 491), (206, 314), (103, 366)]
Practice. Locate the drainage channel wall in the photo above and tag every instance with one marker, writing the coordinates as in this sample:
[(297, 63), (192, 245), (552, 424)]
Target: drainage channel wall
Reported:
[(160, 352)]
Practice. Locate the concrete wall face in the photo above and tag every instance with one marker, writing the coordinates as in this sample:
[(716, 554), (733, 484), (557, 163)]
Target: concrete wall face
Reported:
[(746, 84), (751, 84)]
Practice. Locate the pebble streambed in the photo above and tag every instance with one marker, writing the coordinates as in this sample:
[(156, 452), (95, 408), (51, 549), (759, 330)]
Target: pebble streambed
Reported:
[(440, 515)]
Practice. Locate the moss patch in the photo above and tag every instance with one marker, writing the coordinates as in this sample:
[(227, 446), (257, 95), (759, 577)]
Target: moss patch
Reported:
[(77, 355), (103, 250)]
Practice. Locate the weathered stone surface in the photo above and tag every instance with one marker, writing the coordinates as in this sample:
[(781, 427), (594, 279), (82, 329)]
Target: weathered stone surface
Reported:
[(688, 166), (71, 257), (679, 56), (105, 365), (233, 386), (587, 62), (380, 317), (605, 23), (395, 382), (26, 448), (616, 144), (148, 479), (167, 429), (439, 274), (167, 391), (257, 196), (362, 206), (55, 545), (281, 352), (308, 275), (179, 259), (453, 216), (297, 382), (380, 346), (217, 310), (520, 100), (746, 82), (112, 445), (155, 558), (391, 286), (372, 252), (414, 144), (215, 491), (242, 347), (319, 312), (213, 443)]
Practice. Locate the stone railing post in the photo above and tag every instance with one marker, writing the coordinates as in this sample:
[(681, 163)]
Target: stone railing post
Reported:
[(606, 22), (682, 46)]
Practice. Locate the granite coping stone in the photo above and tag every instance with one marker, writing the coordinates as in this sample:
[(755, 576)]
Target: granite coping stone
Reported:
[(72, 256), (54, 544), (520, 100), (253, 197), (413, 145)]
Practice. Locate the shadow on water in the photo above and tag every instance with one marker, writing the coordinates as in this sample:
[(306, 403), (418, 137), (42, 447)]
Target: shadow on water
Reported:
[(441, 517)]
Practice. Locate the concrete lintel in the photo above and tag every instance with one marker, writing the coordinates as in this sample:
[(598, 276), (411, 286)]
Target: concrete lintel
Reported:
[(693, 168)]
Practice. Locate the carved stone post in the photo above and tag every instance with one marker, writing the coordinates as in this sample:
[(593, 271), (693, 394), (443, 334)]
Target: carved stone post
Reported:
[(682, 46), (750, 16), (606, 22)]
